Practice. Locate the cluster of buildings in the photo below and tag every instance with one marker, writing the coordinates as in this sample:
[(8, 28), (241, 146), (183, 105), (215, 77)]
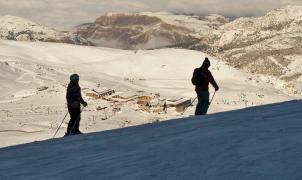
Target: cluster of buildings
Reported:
[(146, 101)]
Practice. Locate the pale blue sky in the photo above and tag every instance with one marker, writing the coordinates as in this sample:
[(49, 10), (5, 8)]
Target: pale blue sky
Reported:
[(68, 13)]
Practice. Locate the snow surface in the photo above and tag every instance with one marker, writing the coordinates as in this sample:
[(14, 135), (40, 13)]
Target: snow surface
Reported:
[(254, 143), (201, 25), (17, 24), (26, 67), (281, 22), (20, 29)]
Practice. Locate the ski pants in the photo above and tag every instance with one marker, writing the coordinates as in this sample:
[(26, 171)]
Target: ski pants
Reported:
[(75, 117), (203, 103)]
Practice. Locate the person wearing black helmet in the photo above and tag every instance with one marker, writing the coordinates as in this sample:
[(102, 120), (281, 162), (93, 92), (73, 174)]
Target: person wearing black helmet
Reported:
[(201, 79), (74, 101)]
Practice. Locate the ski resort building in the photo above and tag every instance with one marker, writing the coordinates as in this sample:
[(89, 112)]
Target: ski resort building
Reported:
[(180, 104), (104, 93), (124, 97), (92, 94), (144, 100), (98, 94)]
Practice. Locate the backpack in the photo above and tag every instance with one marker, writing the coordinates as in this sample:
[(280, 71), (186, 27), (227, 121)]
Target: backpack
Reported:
[(198, 77)]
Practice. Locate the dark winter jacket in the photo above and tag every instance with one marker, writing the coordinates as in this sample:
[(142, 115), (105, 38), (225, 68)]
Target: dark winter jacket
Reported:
[(73, 96), (207, 78)]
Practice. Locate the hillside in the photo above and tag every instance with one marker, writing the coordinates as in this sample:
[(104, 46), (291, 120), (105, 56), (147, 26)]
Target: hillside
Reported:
[(269, 45), (35, 75), (254, 143), (148, 30), (20, 29)]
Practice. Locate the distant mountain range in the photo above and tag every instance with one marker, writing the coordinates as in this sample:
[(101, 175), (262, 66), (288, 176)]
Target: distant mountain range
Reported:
[(263, 45), (20, 29), (148, 30), (269, 45)]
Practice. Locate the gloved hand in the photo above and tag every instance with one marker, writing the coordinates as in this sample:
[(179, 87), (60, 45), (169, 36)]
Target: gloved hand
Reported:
[(85, 104)]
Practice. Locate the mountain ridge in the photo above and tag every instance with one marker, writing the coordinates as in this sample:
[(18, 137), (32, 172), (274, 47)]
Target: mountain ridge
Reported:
[(21, 29), (264, 45), (268, 45)]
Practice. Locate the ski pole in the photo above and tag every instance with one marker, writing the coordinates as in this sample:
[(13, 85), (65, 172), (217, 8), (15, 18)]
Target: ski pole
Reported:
[(195, 99), (59, 126), (212, 99), (189, 105), (76, 121)]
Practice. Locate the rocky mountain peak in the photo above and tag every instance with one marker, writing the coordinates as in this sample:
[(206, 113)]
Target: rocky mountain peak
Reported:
[(268, 45), (147, 30), (123, 19), (277, 19), (288, 12)]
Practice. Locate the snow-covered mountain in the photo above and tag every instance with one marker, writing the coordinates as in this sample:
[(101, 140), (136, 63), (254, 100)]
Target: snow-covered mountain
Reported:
[(20, 29), (148, 30), (255, 143), (269, 45)]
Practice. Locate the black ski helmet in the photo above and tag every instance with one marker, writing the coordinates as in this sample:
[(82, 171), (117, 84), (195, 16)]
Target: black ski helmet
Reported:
[(74, 77)]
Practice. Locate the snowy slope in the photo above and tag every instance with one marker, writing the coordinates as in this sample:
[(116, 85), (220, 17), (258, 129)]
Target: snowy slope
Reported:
[(20, 29), (200, 24), (264, 45), (254, 143), (35, 114), (166, 68)]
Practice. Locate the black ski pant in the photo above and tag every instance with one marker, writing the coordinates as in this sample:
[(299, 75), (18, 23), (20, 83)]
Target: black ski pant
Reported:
[(203, 103), (74, 123)]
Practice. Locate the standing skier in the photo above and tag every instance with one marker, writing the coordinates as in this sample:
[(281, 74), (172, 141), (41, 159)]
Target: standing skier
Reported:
[(74, 101), (201, 79)]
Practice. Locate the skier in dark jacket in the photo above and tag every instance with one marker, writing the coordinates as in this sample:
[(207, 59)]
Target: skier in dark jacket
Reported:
[(202, 89), (74, 101)]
